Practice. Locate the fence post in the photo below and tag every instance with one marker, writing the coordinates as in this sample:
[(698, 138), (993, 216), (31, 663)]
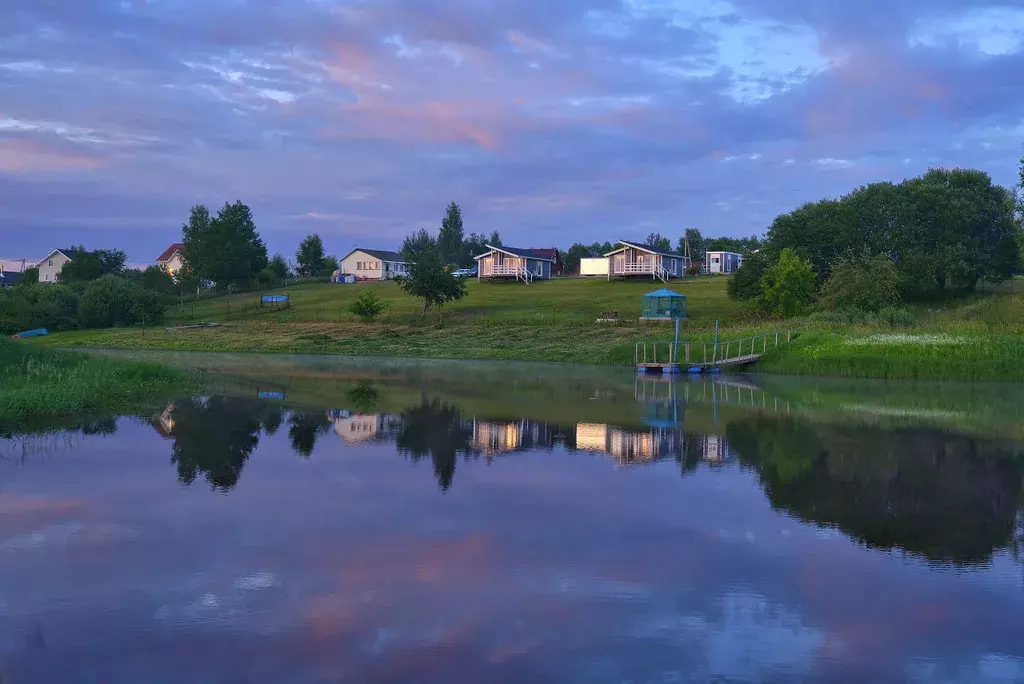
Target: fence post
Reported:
[(776, 338), (764, 350), (687, 353), (789, 336)]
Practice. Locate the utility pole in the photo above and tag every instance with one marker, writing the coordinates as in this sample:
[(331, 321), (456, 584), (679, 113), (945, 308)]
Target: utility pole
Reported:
[(687, 257)]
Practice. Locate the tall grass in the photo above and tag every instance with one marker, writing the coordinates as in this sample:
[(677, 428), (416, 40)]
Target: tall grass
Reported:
[(37, 384)]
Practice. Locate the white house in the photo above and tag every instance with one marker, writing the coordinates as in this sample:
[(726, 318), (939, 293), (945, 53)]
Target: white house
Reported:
[(722, 262), (173, 259), (374, 264), (51, 265)]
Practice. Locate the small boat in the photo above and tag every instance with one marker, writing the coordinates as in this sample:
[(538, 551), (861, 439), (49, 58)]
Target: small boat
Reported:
[(38, 332)]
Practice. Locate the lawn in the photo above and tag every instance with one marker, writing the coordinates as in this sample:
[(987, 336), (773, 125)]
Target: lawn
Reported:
[(556, 321)]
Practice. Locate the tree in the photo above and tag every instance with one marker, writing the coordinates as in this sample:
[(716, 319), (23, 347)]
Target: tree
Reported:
[(227, 249), (787, 287), (573, 256), (428, 279), (449, 239), (435, 430), (745, 283), (310, 256), (279, 267), (329, 264), (304, 429), (417, 243), (472, 247), (367, 306), (111, 301), (658, 241), (495, 239), (30, 276), (156, 279), (697, 248), (87, 266), (865, 284)]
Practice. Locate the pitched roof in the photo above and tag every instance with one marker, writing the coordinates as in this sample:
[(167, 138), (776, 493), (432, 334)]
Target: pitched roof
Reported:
[(538, 254), (10, 278), (547, 253), (665, 292), (69, 253), (169, 252), (648, 248), (382, 254)]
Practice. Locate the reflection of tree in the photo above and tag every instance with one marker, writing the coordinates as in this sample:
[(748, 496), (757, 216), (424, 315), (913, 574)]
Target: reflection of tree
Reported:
[(304, 429), (436, 430), (214, 438), (364, 397), (272, 422), (100, 426), (949, 497)]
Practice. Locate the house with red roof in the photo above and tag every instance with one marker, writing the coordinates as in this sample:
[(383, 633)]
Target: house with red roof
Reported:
[(173, 259)]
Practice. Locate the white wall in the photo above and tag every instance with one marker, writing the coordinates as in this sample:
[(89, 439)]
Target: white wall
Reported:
[(595, 266), (362, 265), (50, 267), (174, 264)]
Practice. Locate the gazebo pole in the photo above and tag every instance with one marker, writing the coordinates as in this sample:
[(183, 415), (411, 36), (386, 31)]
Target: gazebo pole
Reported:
[(675, 348)]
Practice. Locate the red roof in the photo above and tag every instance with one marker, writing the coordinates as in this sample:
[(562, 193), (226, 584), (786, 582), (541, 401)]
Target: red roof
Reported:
[(545, 253), (169, 252)]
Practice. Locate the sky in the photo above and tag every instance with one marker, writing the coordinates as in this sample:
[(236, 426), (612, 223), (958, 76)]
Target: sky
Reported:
[(550, 122)]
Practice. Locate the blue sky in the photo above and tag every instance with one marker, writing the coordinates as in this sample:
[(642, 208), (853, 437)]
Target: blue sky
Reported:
[(548, 121)]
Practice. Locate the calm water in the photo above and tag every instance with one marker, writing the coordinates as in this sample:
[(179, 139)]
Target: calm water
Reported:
[(313, 520)]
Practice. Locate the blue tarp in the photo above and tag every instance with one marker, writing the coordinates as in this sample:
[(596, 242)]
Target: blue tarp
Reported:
[(38, 332)]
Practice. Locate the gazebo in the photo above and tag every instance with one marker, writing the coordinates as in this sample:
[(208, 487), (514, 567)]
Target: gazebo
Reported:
[(663, 305)]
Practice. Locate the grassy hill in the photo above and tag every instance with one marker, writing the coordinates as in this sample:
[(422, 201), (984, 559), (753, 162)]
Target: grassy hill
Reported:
[(979, 337)]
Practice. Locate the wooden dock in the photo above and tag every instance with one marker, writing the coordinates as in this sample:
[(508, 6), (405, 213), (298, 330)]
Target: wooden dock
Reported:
[(705, 357)]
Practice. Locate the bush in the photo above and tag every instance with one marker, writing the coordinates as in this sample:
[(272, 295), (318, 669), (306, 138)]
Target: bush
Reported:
[(745, 283), (154, 279), (692, 270), (367, 306), (26, 307), (895, 318), (867, 285), (787, 287), (112, 301)]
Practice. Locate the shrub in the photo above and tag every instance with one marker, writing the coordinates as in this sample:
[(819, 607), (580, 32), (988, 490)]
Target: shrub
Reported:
[(25, 307), (745, 283), (787, 287), (867, 285), (112, 301), (693, 270), (367, 306), (895, 318)]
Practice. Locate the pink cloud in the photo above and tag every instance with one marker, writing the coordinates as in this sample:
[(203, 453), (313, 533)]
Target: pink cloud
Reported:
[(28, 156)]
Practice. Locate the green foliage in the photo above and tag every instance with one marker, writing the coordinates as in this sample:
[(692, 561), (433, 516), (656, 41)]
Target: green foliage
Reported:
[(27, 307), (866, 284), (573, 256), (944, 231), (155, 279), (112, 301), (368, 306), (227, 249), (329, 265), (450, 237), (87, 266), (30, 276), (472, 247), (697, 244), (428, 280), (745, 283), (744, 246), (495, 239), (279, 267), (418, 243), (658, 241), (310, 256), (787, 287)]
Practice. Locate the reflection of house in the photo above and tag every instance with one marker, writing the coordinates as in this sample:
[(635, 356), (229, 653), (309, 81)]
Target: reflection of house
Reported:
[(628, 446), (362, 427), (494, 437), (714, 448), (164, 423)]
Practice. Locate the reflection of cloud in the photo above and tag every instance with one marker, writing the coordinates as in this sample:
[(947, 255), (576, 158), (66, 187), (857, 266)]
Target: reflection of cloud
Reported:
[(990, 668)]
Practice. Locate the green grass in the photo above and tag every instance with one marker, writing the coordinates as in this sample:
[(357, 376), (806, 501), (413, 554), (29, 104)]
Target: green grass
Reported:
[(555, 321), (40, 386)]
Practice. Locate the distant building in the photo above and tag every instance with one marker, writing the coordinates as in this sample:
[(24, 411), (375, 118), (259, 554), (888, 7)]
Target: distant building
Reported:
[(173, 259), (374, 264), (515, 263), (52, 264), (634, 259), (722, 262), (9, 278)]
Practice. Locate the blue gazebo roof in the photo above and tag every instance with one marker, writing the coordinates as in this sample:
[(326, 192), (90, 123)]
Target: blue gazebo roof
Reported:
[(664, 292)]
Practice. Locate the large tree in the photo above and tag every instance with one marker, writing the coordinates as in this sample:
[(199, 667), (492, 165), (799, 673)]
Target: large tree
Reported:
[(697, 248), (429, 280), (227, 249), (417, 243), (310, 256), (658, 241), (449, 239), (86, 266)]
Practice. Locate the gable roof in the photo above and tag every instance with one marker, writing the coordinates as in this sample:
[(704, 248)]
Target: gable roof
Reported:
[(10, 278), (648, 248), (69, 253), (169, 252), (382, 254), (537, 254)]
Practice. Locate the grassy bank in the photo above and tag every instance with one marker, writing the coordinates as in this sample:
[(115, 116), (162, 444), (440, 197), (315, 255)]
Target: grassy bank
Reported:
[(39, 385), (978, 338)]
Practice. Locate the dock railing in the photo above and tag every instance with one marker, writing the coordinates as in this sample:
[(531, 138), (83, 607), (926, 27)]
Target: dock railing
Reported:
[(707, 355)]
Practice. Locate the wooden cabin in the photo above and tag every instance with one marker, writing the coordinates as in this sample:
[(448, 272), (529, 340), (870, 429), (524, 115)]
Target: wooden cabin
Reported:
[(512, 263), (633, 259)]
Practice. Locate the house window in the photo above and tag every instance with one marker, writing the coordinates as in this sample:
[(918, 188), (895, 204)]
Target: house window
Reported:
[(49, 263), (47, 276)]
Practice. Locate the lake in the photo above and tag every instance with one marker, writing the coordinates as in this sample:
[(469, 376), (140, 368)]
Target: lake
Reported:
[(313, 520)]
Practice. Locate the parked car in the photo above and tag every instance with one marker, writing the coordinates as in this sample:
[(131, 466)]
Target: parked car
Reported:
[(463, 273)]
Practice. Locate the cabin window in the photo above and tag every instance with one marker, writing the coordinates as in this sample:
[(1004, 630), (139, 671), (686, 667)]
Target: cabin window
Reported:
[(49, 263), (47, 276)]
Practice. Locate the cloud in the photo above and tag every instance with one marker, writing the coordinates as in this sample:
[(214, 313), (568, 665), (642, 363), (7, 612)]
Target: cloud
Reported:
[(133, 111)]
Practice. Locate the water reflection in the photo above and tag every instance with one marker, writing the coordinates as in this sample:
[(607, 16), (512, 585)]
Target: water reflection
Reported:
[(587, 532)]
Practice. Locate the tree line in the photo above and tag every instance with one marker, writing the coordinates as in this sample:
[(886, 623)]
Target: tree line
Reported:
[(885, 244)]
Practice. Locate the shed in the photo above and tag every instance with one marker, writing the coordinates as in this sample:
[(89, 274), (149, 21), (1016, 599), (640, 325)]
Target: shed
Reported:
[(663, 305)]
